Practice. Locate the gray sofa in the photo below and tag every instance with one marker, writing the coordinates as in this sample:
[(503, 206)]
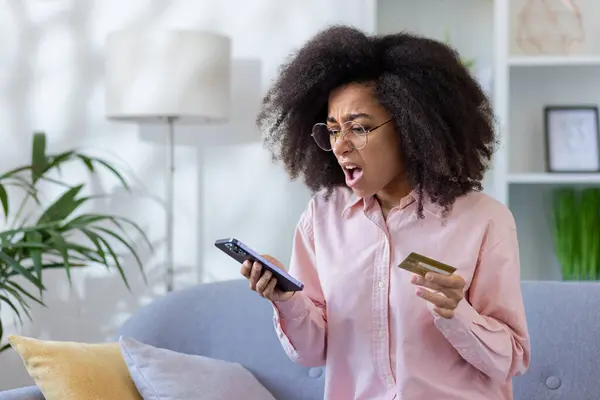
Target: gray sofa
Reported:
[(227, 321)]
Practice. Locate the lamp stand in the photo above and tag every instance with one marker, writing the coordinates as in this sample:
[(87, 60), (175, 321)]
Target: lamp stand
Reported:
[(169, 196)]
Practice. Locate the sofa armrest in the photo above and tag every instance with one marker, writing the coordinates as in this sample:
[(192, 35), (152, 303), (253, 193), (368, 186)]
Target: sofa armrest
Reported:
[(24, 393)]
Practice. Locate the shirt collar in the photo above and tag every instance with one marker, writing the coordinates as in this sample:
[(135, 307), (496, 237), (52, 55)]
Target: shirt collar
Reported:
[(428, 206)]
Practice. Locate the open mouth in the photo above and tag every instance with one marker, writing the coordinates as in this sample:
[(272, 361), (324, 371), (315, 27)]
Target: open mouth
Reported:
[(353, 174)]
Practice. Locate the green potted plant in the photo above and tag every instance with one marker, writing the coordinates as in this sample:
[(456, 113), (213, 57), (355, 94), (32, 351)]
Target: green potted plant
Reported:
[(576, 230), (58, 235)]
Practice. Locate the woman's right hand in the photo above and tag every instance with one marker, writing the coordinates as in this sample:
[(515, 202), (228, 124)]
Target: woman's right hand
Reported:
[(264, 285)]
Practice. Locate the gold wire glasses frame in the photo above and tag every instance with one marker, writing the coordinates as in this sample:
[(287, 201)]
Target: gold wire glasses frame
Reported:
[(352, 131)]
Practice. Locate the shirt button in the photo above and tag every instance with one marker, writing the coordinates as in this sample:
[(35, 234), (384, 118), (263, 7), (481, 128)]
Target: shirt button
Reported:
[(315, 372), (390, 381), (381, 333), (380, 284)]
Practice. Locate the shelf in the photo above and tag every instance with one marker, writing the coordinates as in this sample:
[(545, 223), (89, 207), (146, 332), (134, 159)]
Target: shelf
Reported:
[(553, 61), (554, 178)]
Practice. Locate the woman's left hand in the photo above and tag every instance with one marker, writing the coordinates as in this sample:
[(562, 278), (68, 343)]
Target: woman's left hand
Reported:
[(445, 294)]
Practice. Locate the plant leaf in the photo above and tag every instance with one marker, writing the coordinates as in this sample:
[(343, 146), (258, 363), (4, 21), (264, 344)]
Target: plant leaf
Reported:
[(56, 161), (89, 254), (36, 254), (64, 206), (4, 200), (24, 229), (93, 237), (20, 288), (21, 270), (49, 266), (17, 181), (126, 244), (11, 305), (87, 161), (62, 247), (14, 172), (24, 306), (88, 219), (109, 167), (23, 250), (85, 220), (39, 160), (27, 245), (6, 346), (118, 220), (116, 260), (55, 181)]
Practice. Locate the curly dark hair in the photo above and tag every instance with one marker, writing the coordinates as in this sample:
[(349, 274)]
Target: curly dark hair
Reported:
[(442, 116)]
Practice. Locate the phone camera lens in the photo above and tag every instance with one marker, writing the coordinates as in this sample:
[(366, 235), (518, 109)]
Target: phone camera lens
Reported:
[(235, 249)]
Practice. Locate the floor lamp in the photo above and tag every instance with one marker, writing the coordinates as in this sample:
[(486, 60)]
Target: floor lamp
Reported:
[(168, 76)]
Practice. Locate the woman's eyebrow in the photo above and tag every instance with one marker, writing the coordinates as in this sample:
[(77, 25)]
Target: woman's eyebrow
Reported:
[(351, 117)]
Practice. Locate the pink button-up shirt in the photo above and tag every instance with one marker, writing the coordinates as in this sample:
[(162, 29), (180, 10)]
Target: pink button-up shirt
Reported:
[(360, 317)]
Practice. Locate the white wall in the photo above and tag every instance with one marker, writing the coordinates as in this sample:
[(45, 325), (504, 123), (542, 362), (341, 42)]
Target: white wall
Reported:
[(51, 78), (435, 18), (462, 20)]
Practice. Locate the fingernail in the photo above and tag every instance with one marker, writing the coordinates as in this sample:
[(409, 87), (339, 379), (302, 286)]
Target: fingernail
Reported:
[(414, 279), (420, 292)]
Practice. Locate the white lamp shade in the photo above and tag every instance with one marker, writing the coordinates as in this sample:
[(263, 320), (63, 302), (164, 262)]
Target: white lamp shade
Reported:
[(156, 74)]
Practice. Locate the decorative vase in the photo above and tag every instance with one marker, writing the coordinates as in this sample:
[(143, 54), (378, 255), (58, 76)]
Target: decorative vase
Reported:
[(550, 27)]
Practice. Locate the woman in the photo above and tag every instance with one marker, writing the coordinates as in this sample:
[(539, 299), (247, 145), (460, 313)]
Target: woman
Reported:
[(394, 136)]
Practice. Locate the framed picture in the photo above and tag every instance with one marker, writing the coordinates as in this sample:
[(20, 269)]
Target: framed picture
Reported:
[(572, 139)]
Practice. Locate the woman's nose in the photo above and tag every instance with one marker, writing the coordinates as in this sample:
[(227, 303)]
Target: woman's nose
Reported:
[(341, 146)]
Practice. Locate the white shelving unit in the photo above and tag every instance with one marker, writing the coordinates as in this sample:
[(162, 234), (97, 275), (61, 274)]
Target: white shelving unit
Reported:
[(552, 61), (552, 179), (523, 85)]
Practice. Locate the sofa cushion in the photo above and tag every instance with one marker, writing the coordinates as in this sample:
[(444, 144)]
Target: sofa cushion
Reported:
[(227, 321), (162, 374), (76, 371)]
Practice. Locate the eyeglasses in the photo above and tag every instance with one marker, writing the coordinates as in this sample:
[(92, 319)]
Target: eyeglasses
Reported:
[(352, 131)]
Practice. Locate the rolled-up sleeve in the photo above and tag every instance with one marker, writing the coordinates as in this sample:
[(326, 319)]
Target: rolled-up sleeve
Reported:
[(489, 327)]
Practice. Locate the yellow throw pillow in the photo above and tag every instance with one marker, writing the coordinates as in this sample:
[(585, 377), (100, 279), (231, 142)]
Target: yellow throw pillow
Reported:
[(76, 371)]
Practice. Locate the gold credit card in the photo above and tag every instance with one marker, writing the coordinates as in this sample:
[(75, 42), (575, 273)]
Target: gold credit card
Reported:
[(420, 265)]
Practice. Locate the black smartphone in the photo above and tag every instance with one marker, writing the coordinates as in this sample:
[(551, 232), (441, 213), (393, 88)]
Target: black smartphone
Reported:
[(240, 252)]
